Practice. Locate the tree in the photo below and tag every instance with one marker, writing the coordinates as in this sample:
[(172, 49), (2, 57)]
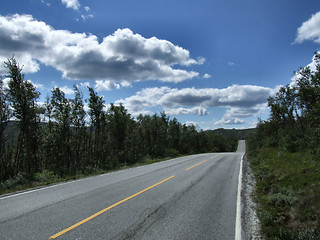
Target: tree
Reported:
[(61, 114), (48, 143), (23, 96), (5, 115), (294, 123), (97, 118), (308, 84), (174, 134), (78, 115), (119, 121), (284, 113)]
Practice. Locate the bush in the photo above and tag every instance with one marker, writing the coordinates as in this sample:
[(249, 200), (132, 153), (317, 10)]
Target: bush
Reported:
[(45, 176), (283, 198)]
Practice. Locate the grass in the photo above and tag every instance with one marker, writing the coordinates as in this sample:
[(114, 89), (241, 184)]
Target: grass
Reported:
[(287, 193)]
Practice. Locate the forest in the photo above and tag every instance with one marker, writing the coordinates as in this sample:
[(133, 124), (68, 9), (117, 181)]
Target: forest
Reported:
[(60, 137), (284, 154), (294, 123)]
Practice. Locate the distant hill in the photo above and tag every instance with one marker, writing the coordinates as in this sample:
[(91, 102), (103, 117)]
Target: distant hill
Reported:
[(240, 134)]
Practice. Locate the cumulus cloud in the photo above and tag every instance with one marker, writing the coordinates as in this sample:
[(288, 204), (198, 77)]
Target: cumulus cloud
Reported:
[(143, 99), (235, 115), (7, 80), (67, 90), (74, 4), (195, 124), (309, 30), (6, 83), (37, 85), (206, 76), (245, 112), (200, 111), (123, 56), (106, 85), (297, 75), (241, 100), (234, 96), (229, 121)]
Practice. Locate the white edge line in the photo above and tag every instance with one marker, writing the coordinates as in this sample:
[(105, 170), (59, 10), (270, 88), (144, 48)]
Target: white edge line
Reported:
[(41, 188), (238, 215)]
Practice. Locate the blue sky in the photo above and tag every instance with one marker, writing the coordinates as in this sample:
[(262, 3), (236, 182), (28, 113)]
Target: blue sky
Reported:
[(206, 62)]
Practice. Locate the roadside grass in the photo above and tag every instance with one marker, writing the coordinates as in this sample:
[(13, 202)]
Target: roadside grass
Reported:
[(287, 193)]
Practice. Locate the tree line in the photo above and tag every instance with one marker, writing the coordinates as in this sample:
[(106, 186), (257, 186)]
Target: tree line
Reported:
[(294, 123), (60, 136)]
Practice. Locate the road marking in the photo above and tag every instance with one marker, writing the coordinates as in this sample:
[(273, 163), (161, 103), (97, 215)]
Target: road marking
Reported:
[(238, 229), (106, 209), (195, 165)]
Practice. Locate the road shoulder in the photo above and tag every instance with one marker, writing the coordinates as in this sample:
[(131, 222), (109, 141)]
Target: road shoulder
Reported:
[(250, 223)]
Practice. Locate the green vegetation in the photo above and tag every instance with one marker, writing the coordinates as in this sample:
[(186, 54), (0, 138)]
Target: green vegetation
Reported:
[(287, 191), (284, 155), (59, 140)]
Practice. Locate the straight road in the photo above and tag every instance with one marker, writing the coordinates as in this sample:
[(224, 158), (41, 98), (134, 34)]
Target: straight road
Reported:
[(193, 197)]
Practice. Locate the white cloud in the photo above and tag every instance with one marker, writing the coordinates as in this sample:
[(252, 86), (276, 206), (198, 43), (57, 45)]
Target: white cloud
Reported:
[(206, 75), (229, 121), (192, 123), (106, 85), (143, 99), (233, 96), (5, 83), (74, 4), (236, 112), (309, 30), (123, 56), (235, 115), (87, 8), (85, 17), (200, 111), (85, 84), (312, 66), (37, 85), (46, 3), (231, 64), (241, 100), (201, 60), (66, 90)]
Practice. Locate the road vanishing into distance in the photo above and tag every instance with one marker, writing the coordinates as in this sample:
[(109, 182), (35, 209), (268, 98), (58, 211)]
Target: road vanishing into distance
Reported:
[(193, 197)]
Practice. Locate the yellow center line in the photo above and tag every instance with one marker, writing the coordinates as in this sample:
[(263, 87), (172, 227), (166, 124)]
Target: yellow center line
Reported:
[(195, 165), (214, 157), (106, 209)]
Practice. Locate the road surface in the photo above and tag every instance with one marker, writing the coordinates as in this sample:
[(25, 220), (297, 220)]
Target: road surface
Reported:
[(193, 197)]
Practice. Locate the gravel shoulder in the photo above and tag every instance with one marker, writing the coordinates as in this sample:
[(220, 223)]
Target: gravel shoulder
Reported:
[(250, 223)]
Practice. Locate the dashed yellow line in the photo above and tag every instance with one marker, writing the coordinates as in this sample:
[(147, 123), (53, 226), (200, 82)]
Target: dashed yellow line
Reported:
[(195, 165), (118, 203), (106, 209)]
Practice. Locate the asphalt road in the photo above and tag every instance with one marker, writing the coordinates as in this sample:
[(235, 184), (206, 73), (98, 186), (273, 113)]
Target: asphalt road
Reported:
[(191, 197)]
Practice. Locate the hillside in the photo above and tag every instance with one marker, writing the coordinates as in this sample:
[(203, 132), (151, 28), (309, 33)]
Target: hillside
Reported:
[(236, 133)]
